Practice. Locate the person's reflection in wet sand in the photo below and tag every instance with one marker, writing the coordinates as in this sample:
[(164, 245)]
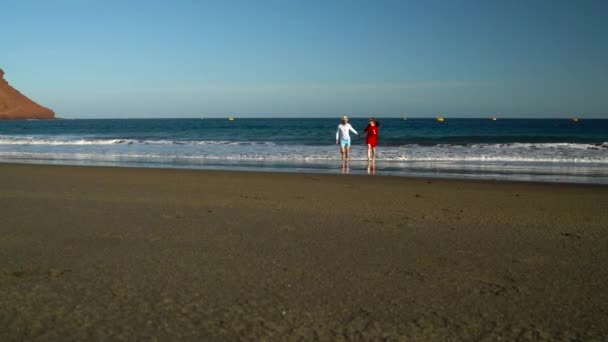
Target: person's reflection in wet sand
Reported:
[(371, 167), (345, 167)]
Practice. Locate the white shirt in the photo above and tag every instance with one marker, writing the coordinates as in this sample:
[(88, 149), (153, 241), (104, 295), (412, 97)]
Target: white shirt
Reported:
[(343, 131)]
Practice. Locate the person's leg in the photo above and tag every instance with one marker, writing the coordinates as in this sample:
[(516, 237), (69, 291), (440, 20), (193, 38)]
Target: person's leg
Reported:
[(374, 153), (369, 152), (347, 152), (344, 145)]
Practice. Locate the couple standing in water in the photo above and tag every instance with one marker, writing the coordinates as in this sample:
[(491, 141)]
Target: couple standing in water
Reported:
[(343, 138)]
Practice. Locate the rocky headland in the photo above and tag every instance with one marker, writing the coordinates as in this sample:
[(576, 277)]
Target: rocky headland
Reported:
[(16, 106)]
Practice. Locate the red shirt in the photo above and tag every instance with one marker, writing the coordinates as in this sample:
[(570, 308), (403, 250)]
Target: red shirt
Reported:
[(372, 130), (372, 135)]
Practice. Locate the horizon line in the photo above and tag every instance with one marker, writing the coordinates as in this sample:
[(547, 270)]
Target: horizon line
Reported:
[(321, 117)]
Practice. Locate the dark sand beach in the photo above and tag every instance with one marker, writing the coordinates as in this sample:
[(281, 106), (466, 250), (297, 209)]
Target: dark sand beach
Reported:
[(92, 253)]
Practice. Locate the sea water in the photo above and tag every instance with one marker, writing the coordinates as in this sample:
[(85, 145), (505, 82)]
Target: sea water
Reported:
[(513, 149)]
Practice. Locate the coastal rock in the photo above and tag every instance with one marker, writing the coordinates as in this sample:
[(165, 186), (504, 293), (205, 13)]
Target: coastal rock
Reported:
[(15, 106)]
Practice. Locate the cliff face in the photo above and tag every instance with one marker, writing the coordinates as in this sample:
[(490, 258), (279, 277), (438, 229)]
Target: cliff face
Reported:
[(14, 105)]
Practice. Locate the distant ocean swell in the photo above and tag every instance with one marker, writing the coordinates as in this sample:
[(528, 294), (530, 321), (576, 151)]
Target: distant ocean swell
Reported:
[(79, 141), (471, 142)]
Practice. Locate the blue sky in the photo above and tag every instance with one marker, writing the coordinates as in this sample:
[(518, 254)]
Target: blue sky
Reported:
[(89, 59)]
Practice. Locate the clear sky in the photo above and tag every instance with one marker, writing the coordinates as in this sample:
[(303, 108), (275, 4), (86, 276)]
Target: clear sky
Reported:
[(285, 58)]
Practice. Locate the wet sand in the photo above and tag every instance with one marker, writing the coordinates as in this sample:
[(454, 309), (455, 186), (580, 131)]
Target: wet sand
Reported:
[(116, 253)]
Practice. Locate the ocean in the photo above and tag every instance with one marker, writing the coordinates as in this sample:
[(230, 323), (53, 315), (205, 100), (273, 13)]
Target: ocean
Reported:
[(554, 150)]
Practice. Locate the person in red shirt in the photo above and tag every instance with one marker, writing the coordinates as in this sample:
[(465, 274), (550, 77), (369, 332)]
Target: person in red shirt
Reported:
[(372, 129)]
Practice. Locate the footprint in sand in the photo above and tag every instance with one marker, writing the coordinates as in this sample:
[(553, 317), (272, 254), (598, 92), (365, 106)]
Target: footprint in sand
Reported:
[(573, 236), (38, 273)]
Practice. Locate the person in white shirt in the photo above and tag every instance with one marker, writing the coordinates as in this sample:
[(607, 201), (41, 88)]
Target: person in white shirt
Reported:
[(343, 137)]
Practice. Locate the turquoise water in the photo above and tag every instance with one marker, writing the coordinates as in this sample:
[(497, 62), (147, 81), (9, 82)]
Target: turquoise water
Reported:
[(526, 149)]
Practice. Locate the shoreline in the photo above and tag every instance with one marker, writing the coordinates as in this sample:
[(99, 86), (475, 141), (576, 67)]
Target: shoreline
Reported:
[(359, 171), (553, 152), (90, 253)]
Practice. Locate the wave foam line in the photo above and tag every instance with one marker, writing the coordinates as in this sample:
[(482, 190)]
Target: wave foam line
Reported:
[(53, 142)]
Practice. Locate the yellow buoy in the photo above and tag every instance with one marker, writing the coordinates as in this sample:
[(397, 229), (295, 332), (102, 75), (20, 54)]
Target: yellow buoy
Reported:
[(440, 119), (231, 118), (575, 120), (493, 119)]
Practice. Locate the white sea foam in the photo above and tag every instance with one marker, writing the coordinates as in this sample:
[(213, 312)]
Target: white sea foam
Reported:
[(201, 151), (515, 145), (70, 140)]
